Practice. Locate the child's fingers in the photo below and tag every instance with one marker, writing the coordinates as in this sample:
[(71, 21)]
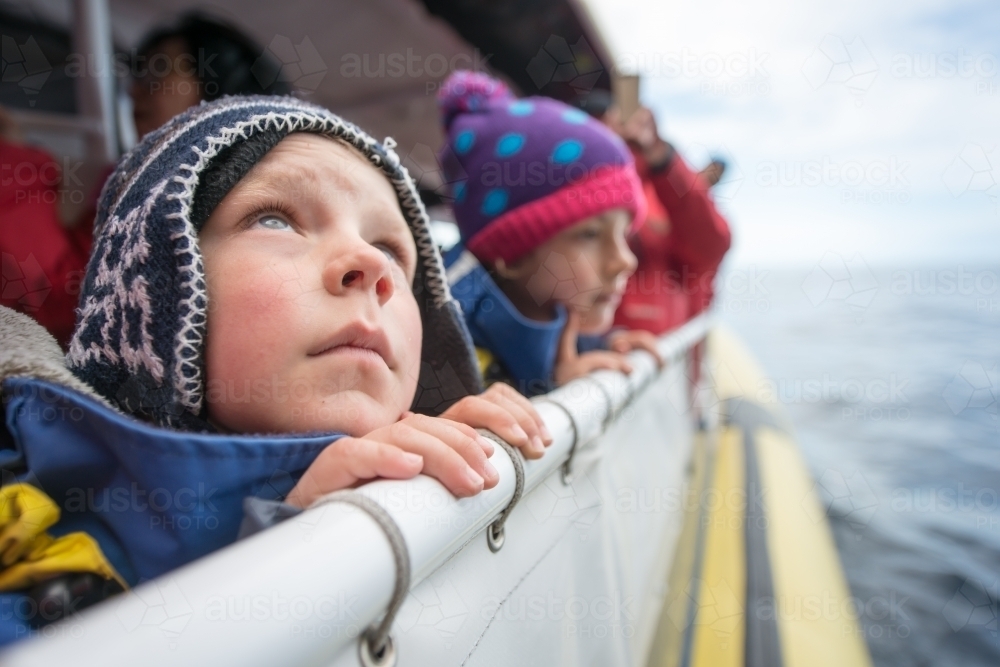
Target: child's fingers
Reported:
[(638, 340), (468, 441), (461, 415), (601, 360), (450, 455), (536, 445), (470, 445), (367, 459), (567, 341), (348, 461), (514, 395), (478, 412)]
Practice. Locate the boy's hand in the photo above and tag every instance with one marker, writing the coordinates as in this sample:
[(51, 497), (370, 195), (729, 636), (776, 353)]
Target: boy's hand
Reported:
[(507, 413), (449, 451), (570, 364), (626, 340)]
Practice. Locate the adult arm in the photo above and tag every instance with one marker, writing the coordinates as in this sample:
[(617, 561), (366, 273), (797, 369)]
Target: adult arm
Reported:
[(699, 233)]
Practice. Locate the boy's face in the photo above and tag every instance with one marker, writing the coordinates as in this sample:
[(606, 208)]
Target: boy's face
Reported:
[(584, 267), (312, 322)]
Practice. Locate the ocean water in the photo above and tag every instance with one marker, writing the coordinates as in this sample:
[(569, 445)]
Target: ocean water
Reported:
[(890, 378)]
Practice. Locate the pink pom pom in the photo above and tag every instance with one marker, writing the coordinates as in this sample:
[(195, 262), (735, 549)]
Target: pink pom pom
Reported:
[(465, 92)]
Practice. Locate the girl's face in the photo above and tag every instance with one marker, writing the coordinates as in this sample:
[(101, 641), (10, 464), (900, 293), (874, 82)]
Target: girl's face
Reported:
[(584, 267), (312, 322)]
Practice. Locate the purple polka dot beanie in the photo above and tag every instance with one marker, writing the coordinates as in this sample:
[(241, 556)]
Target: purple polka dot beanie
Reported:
[(522, 170)]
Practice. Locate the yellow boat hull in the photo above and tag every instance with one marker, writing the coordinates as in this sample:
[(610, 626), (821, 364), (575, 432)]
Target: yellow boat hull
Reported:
[(756, 580)]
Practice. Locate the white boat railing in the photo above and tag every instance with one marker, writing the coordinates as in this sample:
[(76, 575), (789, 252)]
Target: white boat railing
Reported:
[(301, 593)]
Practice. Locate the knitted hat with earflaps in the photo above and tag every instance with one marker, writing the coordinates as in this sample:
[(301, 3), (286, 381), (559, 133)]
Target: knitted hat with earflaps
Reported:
[(141, 326)]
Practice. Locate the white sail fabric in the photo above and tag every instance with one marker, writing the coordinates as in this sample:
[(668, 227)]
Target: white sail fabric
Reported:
[(580, 579)]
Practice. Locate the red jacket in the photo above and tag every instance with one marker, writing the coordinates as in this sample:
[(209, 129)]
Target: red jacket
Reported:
[(679, 247), (42, 262)]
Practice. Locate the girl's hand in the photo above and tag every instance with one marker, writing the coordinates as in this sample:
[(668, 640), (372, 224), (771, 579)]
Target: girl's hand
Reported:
[(570, 364), (626, 340)]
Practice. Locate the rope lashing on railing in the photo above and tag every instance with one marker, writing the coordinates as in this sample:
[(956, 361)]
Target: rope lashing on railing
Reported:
[(610, 412), (495, 531), (566, 470), (376, 647)]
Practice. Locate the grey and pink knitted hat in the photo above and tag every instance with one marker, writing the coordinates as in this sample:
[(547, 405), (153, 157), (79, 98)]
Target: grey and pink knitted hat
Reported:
[(522, 170)]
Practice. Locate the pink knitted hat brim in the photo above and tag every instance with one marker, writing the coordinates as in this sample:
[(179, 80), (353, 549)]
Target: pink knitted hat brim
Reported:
[(526, 227)]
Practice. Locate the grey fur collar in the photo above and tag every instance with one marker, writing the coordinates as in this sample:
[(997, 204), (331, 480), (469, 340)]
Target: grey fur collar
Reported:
[(28, 350)]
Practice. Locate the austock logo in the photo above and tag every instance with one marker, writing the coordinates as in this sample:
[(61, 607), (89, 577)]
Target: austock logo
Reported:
[(25, 65), (300, 64), (975, 169), (562, 279), (558, 61), (836, 279), (744, 291), (715, 605), (849, 498), (428, 174), (579, 500), (837, 62), (705, 395), (31, 517), (729, 185), (436, 606), (23, 282), (973, 606), (159, 603), (974, 387), (607, 615), (438, 387)]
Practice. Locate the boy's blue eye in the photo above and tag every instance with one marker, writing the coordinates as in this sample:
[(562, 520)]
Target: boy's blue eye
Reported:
[(273, 222)]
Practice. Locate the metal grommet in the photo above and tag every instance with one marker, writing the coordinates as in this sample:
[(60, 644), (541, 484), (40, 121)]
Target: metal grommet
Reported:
[(495, 533), (566, 474), (375, 645), (495, 537), (371, 658)]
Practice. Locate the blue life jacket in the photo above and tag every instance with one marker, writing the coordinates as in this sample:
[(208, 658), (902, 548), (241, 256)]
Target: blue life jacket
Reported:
[(153, 498), (525, 348)]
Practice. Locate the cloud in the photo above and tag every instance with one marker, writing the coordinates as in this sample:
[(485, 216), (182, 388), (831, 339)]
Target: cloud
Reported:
[(923, 121)]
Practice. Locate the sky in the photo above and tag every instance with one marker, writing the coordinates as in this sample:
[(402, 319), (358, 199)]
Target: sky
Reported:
[(861, 128)]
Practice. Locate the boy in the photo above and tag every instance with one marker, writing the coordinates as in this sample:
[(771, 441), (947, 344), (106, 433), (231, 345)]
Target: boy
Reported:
[(261, 268), (544, 198)]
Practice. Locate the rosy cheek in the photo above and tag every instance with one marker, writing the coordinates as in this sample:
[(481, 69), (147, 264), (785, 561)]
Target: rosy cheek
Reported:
[(585, 274), (250, 305)]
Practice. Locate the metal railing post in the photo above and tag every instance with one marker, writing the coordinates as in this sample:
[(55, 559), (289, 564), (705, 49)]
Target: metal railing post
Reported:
[(95, 90)]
